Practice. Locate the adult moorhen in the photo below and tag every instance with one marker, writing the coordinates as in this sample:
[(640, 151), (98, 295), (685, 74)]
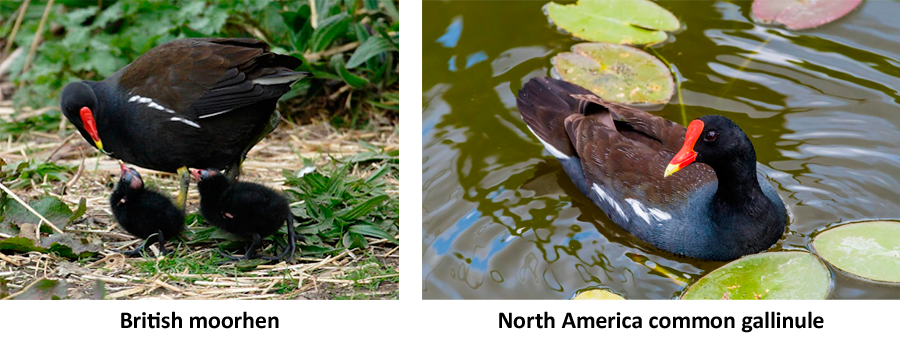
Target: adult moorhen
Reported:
[(187, 103), (246, 209), (144, 213), (634, 166)]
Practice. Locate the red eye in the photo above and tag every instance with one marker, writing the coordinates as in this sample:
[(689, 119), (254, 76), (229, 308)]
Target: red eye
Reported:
[(711, 136)]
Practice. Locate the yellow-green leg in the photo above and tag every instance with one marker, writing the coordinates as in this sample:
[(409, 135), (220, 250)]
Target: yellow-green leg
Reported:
[(184, 181)]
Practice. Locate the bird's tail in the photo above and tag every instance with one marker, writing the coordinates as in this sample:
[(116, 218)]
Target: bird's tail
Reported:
[(544, 104)]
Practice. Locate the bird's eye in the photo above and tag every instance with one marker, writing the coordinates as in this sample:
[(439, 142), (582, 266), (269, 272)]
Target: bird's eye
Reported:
[(711, 136)]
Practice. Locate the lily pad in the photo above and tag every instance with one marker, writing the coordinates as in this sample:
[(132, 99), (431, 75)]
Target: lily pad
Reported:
[(867, 249), (597, 294), (614, 21), (785, 275), (617, 73), (802, 14)]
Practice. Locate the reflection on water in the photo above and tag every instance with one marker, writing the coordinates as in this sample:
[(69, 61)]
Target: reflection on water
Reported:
[(502, 220)]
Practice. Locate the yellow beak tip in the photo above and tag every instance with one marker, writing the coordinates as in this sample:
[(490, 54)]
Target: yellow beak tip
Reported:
[(671, 169)]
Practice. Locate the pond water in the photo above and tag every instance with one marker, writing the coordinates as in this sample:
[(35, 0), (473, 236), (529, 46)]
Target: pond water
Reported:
[(502, 220)]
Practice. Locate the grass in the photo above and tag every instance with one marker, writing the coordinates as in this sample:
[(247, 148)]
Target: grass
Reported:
[(193, 271)]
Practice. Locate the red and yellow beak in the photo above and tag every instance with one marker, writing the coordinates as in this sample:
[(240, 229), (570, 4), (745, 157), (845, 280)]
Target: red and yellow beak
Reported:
[(686, 155), (87, 119)]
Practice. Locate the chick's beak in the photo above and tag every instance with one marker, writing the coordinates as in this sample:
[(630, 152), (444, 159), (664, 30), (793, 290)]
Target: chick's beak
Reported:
[(686, 155), (195, 173)]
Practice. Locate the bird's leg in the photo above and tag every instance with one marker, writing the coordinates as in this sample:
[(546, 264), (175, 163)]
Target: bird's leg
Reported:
[(140, 249), (162, 242), (229, 256), (291, 245), (184, 181), (233, 171), (251, 250)]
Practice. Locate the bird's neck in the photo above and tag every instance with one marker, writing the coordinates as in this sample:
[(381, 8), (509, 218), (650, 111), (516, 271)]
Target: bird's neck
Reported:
[(738, 191)]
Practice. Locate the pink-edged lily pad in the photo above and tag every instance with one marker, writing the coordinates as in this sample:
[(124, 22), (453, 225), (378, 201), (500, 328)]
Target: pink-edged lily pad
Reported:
[(802, 14)]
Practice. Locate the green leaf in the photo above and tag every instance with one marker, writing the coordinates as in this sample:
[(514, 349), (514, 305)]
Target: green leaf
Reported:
[(43, 289), (783, 275), (391, 9), (20, 245), (372, 46), (328, 30), (364, 208), (48, 206), (82, 208), (353, 240), (617, 73), (373, 231), (347, 76), (70, 247), (868, 249), (615, 21)]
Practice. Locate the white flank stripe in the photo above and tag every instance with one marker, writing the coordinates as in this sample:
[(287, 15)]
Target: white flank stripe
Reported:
[(186, 121), (610, 200), (639, 209), (660, 215), (278, 80), (214, 114), (642, 211), (551, 149), (152, 104)]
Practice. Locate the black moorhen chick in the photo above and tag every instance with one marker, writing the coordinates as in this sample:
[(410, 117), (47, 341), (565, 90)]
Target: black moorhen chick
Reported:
[(199, 103), (144, 213), (717, 209), (248, 210)]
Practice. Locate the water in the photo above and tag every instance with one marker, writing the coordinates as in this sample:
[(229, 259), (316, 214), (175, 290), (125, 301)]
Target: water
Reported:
[(502, 220)]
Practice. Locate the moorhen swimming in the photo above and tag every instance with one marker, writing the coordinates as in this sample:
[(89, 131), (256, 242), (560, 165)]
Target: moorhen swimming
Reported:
[(248, 210), (634, 166), (144, 213), (200, 103)]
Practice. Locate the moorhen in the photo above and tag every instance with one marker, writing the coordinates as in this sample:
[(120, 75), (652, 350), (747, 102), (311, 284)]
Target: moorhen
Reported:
[(248, 210), (635, 167), (186, 103), (144, 213)]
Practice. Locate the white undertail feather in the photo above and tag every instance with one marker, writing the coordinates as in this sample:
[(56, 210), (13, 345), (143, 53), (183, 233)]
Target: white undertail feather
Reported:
[(553, 151)]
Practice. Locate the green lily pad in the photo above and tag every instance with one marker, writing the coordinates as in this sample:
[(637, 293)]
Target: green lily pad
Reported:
[(617, 73), (597, 294), (785, 275), (614, 21), (867, 249)]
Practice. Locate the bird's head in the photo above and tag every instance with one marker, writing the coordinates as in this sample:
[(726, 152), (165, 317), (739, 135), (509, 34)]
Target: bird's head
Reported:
[(713, 140), (130, 177), (79, 104)]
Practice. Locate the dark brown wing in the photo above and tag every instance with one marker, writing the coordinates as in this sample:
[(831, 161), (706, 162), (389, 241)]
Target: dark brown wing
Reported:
[(670, 134), (201, 77), (629, 164)]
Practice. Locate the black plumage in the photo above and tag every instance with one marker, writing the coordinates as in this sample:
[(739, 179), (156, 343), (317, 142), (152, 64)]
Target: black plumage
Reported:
[(199, 103), (144, 213), (706, 200), (248, 210)]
